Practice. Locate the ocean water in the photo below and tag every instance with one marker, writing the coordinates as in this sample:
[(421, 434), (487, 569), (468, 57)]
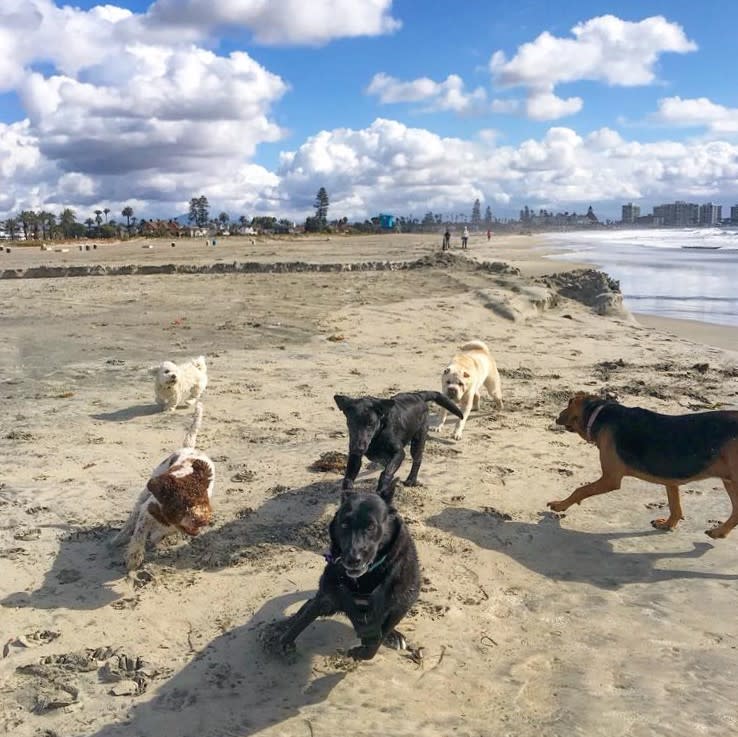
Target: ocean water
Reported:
[(667, 272)]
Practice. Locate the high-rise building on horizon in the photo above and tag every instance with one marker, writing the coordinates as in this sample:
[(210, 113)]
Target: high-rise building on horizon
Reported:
[(630, 213), (710, 214), (677, 213)]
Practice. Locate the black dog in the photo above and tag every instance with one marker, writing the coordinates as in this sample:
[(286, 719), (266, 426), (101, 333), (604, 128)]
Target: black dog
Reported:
[(381, 428), (372, 575)]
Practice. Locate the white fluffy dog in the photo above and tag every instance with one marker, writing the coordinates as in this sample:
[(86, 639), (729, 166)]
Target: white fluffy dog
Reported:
[(175, 384), (464, 377), (177, 497)]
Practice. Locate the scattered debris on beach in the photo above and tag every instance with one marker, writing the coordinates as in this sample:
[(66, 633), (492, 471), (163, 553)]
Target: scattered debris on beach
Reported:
[(332, 461)]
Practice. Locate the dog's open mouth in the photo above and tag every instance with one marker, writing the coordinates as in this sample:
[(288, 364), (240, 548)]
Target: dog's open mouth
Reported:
[(193, 530), (356, 571)]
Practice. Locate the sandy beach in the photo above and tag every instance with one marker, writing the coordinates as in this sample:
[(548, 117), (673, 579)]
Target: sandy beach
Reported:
[(531, 624)]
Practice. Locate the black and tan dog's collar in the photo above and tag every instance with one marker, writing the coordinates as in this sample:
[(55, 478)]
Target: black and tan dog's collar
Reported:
[(591, 421)]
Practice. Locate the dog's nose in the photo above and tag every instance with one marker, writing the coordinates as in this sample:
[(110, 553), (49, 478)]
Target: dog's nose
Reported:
[(352, 560)]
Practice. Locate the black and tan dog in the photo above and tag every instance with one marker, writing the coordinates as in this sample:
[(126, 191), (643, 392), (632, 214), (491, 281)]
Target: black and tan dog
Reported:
[(663, 449), (381, 428), (372, 575)]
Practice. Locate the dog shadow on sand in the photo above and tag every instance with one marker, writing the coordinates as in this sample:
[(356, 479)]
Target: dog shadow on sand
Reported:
[(233, 686), (287, 519), (564, 554), (88, 574), (128, 413), (81, 575)]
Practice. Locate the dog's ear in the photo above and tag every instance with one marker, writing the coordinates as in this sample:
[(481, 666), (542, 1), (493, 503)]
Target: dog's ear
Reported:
[(163, 487), (385, 405), (342, 401), (157, 513)]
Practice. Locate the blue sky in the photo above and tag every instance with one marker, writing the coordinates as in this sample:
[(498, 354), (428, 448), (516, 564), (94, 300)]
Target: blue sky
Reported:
[(390, 105)]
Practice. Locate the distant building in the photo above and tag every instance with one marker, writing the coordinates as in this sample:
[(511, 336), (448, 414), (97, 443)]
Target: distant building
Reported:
[(734, 214), (631, 213), (386, 222), (710, 214), (677, 213)]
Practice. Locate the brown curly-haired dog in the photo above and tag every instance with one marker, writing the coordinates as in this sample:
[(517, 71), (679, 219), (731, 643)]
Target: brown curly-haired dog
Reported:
[(663, 449), (176, 497)]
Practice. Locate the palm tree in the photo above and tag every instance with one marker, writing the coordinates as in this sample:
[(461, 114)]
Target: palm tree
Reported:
[(11, 226), (127, 213), (89, 223), (106, 210), (67, 221), (98, 216), (27, 219), (47, 221)]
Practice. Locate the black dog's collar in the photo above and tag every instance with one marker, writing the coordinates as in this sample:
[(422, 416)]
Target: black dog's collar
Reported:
[(373, 567)]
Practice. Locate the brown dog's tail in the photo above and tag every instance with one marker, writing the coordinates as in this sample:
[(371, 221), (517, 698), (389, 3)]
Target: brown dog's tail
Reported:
[(442, 400)]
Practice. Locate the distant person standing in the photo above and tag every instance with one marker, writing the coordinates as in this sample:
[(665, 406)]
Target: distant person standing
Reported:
[(464, 238), (447, 240), (489, 233)]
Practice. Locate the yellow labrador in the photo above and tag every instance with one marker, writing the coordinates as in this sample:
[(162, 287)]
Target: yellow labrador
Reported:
[(463, 379)]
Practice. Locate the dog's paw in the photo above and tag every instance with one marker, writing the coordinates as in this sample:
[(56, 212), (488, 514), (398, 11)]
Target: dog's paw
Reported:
[(558, 506), (457, 435), (716, 533), (436, 428), (395, 640), (663, 523), (362, 652), (271, 639)]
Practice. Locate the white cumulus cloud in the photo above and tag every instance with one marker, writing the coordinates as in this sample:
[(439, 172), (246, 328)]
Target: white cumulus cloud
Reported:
[(391, 167), (697, 112), (280, 21), (447, 95), (604, 49)]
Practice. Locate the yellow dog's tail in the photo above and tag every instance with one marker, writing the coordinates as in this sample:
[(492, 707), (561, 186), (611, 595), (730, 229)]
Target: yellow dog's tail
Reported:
[(475, 344)]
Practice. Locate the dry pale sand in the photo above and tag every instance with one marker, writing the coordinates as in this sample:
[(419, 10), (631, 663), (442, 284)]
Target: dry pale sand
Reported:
[(530, 624)]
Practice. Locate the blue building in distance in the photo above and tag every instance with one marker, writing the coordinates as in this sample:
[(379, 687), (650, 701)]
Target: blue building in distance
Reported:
[(386, 222)]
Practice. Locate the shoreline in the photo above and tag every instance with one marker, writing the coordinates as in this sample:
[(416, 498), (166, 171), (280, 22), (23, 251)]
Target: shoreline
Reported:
[(710, 334)]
